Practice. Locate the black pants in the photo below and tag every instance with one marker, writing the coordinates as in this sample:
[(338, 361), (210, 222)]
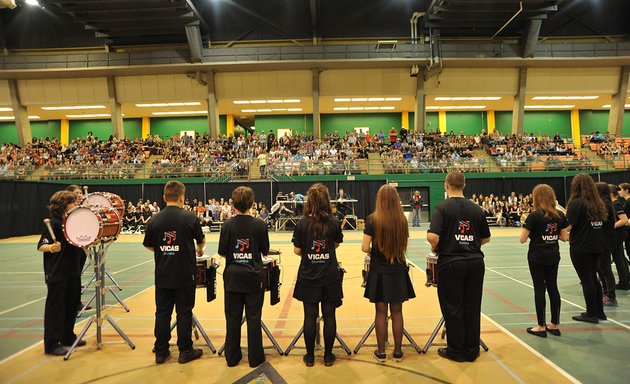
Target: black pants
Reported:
[(545, 278), (184, 301), (620, 261), (627, 243), (459, 291), (585, 265), (235, 302), (607, 279), (61, 312)]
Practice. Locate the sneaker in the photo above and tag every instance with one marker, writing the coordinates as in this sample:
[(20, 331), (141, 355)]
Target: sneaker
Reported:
[(160, 358), (190, 355), (380, 357), (398, 356), (309, 360), (329, 359), (609, 302)]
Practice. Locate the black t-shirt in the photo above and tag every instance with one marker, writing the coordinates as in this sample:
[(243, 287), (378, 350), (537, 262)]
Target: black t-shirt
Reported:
[(378, 261), (626, 205), (586, 235), (461, 225), (319, 266), (618, 210), (62, 265), (543, 237), (242, 241), (171, 233)]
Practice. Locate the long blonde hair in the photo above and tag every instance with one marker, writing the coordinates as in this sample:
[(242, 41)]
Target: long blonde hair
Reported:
[(391, 230), (545, 201)]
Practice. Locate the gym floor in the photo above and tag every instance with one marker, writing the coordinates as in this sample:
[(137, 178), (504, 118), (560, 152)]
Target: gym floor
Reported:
[(584, 353)]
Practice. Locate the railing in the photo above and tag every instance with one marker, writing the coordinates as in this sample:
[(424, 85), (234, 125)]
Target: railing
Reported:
[(287, 170)]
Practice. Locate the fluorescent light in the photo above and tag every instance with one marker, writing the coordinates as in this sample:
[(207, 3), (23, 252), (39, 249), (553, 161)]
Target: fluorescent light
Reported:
[(608, 106), (6, 109), (248, 110), (291, 100), (342, 99), (376, 99), (355, 108), (393, 98), (180, 104), (294, 110), (265, 110), (34, 117), (467, 98), (32, 2), (387, 108), (433, 107), (88, 115), (340, 108), (258, 101), (4, 118), (549, 106), (275, 101), (169, 113), (73, 107), (565, 97), (241, 101), (358, 99), (371, 108), (280, 109)]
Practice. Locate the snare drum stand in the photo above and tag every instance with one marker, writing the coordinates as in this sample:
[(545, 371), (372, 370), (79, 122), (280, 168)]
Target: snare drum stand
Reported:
[(371, 328), (196, 326), (267, 332), (435, 332), (98, 258), (106, 287), (318, 343)]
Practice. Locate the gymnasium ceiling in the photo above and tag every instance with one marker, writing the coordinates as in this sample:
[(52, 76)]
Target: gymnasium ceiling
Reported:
[(128, 25)]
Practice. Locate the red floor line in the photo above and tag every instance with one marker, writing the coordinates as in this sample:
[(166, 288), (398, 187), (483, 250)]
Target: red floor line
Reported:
[(280, 323), (509, 303)]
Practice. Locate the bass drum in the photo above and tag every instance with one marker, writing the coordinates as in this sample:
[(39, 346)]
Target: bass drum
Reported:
[(105, 199), (85, 226)]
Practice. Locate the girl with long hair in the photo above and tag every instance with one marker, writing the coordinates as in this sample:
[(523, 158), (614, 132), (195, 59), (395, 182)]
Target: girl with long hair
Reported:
[(316, 238), (544, 226), (388, 285), (587, 215)]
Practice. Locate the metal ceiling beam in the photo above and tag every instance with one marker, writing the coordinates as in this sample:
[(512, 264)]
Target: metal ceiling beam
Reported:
[(142, 22), (126, 14), (530, 38), (192, 7), (195, 43), (106, 7), (313, 7)]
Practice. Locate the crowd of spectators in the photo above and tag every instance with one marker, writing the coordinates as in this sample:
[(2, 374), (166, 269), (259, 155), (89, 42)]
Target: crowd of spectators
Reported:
[(511, 210)]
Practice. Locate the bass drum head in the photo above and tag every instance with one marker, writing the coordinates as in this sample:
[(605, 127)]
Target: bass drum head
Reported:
[(81, 227), (98, 199)]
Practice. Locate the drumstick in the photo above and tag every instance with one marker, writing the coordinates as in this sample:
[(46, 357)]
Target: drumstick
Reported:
[(50, 230), (85, 190)]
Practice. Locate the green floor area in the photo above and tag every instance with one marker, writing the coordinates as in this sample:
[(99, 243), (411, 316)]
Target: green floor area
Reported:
[(590, 353)]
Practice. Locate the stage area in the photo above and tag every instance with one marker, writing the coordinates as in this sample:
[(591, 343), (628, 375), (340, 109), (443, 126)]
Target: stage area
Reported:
[(584, 353)]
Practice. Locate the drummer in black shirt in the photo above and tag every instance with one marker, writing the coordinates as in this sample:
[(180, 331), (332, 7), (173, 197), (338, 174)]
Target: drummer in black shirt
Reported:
[(169, 235), (457, 231), (62, 272), (243, 241)]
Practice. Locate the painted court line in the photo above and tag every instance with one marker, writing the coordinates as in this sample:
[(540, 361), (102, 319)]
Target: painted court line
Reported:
[(566, 301), (532, 350)]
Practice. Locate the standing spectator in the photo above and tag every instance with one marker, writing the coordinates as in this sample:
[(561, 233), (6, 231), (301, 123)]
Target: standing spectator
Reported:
[(416, 206)]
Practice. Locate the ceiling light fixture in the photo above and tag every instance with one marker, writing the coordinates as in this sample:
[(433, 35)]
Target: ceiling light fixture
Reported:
[(549, 106), (6, 109), (182, 104), (467, 98), (608, 106), (167, 113), (450, 107), (565, 97), (73, 107), (88, 115)]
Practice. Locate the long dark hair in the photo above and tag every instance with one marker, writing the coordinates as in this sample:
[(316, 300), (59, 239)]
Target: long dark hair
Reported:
[(583, 187), (318, 207), (59, 202), (391, 230)]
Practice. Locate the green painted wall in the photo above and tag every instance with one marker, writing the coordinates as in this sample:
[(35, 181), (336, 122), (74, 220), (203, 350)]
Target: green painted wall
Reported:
[(503, 121), (133, 128), (298, 123), (591, 121), (432, 122), (625, 128), (548, 122), (167, 127), (39, 129), (467, 122), (223, 124), (101, 128), (412, 123), (345, 122)]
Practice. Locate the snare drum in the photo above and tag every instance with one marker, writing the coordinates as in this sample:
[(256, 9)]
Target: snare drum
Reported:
[(432, 271), (268, 264), (105, 199), (203, 262), (85, 226)]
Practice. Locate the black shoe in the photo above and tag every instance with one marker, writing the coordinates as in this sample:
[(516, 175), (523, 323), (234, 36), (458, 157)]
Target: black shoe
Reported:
[(472, 358), (81, 343), (190, 355), (329, 359), (586, 318), (602, 316), (160, 358), (256, 363), (309, 360), (443, 352), (531, 331), (555, 332), (622, 287), (58, 350), (380, 357), (398, 356)]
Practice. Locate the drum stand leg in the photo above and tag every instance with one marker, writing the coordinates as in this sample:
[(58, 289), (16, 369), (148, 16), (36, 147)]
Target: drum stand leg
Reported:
[(412, 342), (317, 339), (437, 330), (196, 326), (99, 295), (276, 346)]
